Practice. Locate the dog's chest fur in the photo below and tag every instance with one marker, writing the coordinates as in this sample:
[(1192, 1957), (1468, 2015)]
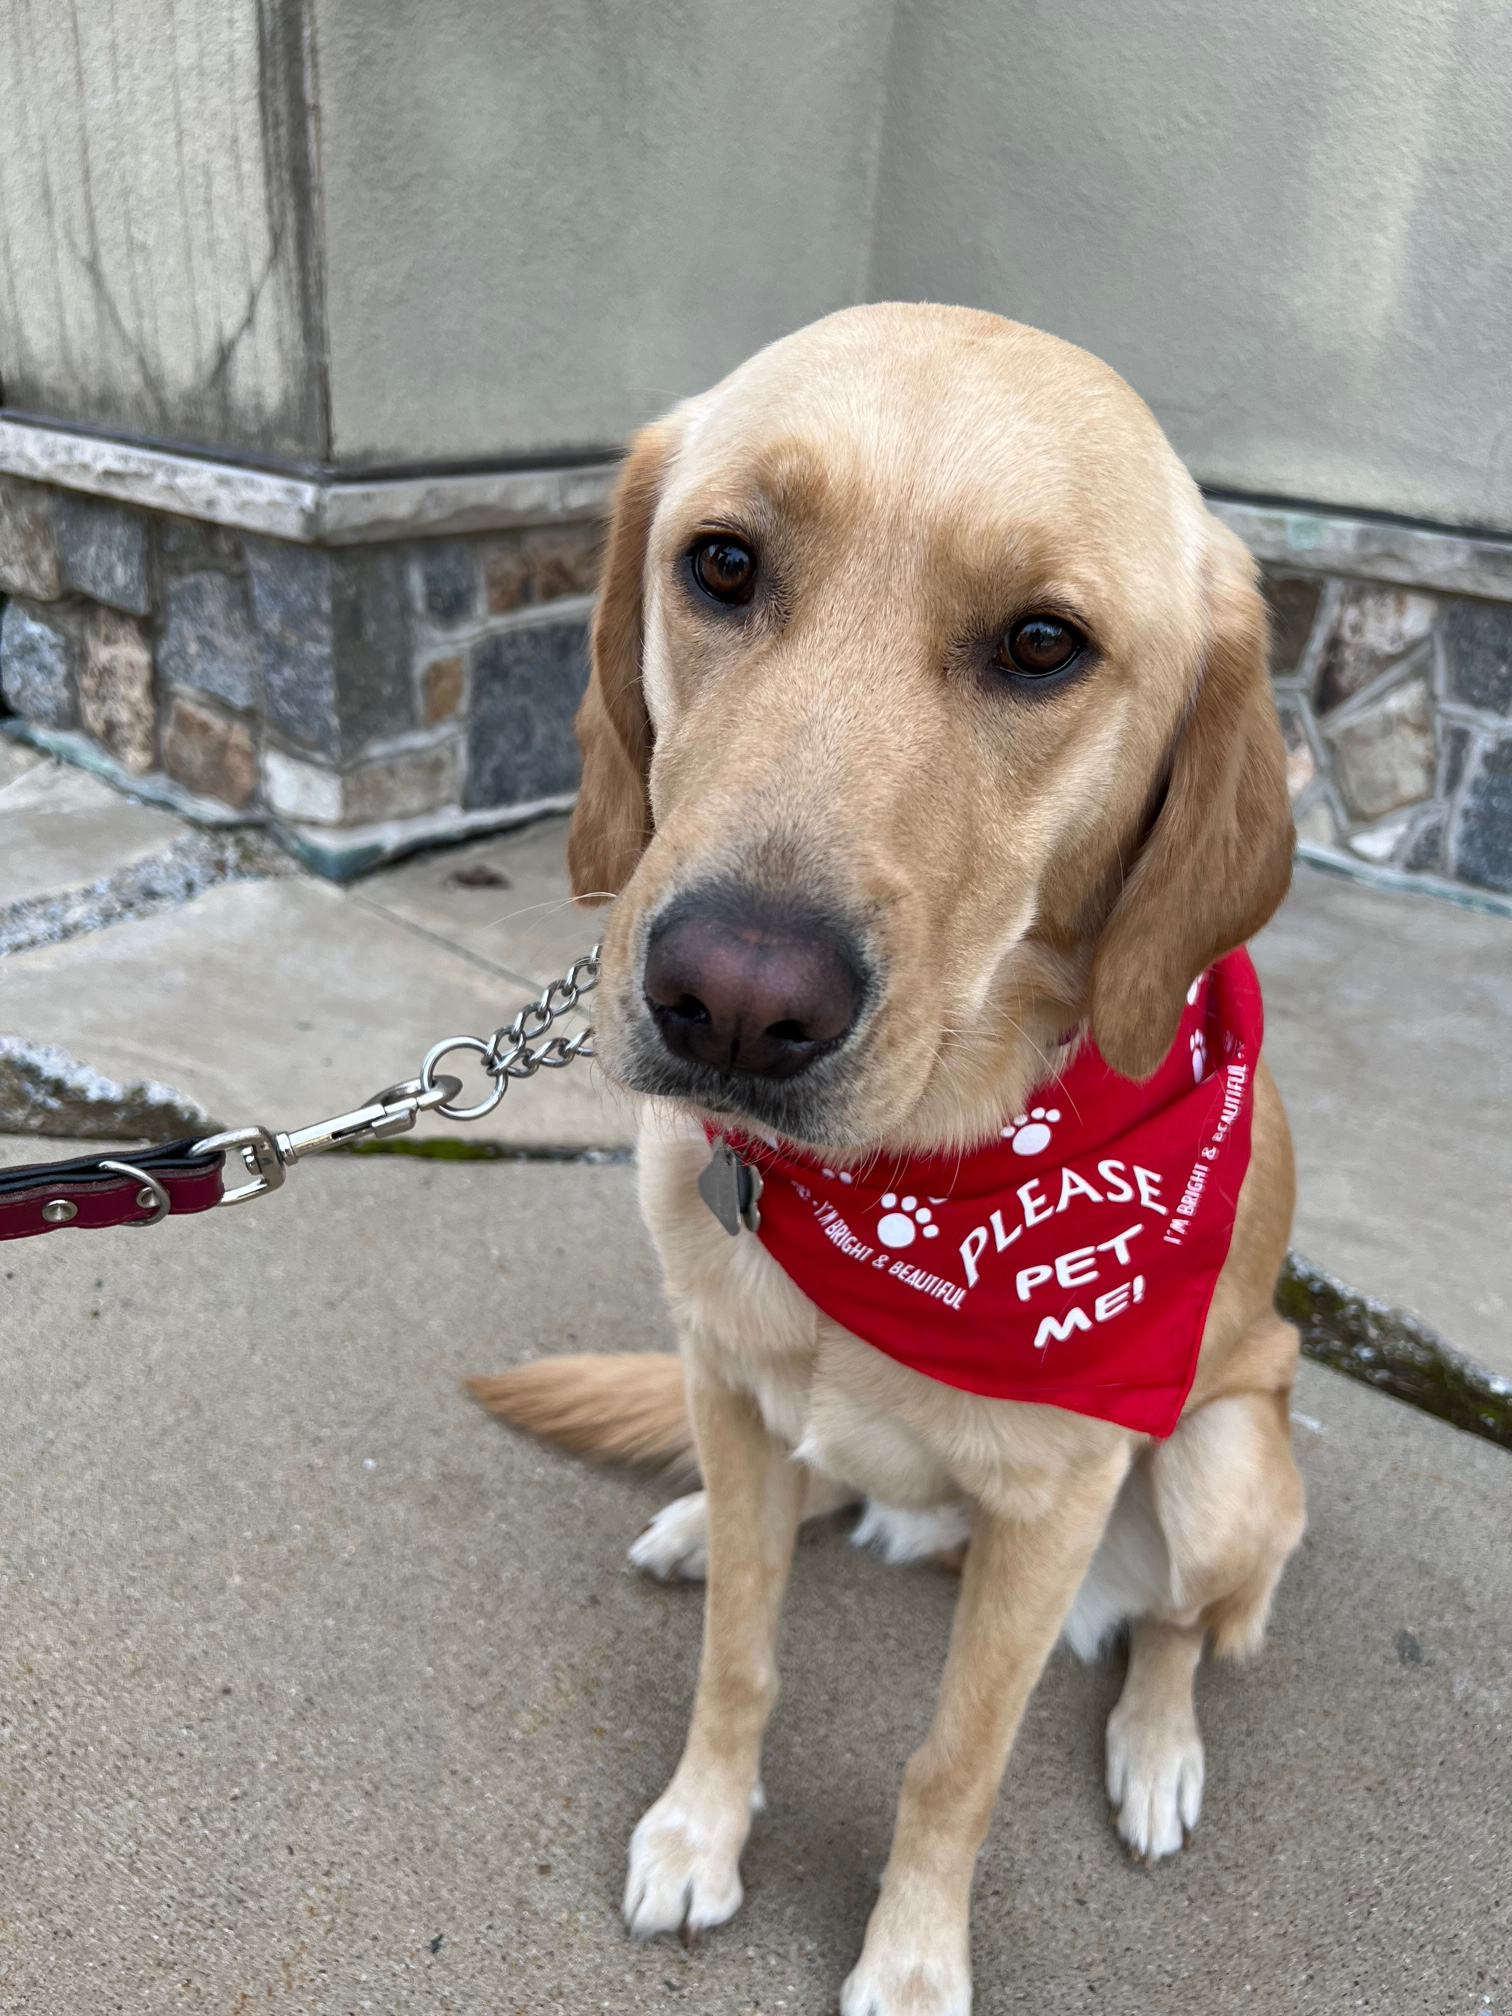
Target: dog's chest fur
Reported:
[(845, 1409)]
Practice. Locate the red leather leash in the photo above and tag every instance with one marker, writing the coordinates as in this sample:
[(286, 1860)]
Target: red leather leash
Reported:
[(145, 1186), (93, 1191)]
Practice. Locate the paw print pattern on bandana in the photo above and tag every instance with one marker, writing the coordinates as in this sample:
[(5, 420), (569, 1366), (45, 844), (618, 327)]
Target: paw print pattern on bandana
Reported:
[(1030, 1132), (838, 1175), (1199, 1055), (905, 1218)]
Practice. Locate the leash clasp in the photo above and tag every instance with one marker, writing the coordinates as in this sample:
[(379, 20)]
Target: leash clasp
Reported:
[(266, 1155), (258, 1151)]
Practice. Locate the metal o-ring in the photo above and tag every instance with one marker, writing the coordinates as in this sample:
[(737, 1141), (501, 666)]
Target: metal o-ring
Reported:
[(426, 1097), (428, 1072), (151, 1197)]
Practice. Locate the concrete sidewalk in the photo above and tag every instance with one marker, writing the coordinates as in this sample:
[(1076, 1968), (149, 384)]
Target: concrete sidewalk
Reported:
[(321, 1692)]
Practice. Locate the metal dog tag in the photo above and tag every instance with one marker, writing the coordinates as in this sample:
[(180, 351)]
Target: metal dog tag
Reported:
[(731, 1189)]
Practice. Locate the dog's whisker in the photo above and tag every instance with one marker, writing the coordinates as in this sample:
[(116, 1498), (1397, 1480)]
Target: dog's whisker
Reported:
[(555, 903)]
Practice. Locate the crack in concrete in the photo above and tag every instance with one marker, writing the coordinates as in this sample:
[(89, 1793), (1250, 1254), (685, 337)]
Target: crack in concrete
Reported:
[(44, 1090), (196, 862)]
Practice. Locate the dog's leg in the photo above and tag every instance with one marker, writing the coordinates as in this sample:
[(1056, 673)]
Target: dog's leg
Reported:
[(1155, 1763), (1020, 1577), (685, 1853), (1232, 1507), (1230, 1504), (674, 1545)]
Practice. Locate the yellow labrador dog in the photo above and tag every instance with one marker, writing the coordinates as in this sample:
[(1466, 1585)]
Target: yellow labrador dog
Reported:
[(929, 730)]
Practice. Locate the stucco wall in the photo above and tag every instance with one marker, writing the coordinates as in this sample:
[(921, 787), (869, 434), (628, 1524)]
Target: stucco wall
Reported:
[(157, 233), (547, 219), (1287, 225), (543, 220)]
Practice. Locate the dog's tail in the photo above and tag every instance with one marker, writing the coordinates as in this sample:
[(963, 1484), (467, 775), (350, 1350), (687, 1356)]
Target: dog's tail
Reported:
[(629, 1407)]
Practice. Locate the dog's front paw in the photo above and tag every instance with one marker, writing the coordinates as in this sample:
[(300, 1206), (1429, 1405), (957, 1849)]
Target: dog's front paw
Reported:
[(1155, 1774), (684, 1866), (920, 1971), (674, 1547)]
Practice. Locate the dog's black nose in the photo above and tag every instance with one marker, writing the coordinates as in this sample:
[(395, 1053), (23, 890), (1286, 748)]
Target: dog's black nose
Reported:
[(750, 987)]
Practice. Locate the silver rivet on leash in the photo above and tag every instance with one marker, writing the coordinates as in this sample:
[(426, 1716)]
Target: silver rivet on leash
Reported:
[(731, 1189), (59, 1212)]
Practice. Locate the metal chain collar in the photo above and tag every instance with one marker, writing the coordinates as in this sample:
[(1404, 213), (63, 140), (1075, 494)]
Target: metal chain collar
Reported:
[(514, 1051)]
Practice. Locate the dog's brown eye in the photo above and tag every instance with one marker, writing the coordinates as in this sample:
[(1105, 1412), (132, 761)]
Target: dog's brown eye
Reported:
[(725, 569), (1039, 645)]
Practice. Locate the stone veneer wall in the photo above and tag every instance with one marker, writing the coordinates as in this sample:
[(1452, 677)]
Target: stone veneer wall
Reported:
[(366, 698), (360, 698), (1397, 711)]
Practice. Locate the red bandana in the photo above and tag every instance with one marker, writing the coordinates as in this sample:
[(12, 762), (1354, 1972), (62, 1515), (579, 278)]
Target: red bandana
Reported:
[(1073, 1261)]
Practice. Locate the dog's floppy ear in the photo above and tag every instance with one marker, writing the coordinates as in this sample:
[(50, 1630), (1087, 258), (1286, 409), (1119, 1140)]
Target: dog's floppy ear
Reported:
[(1216, 861), (612, 820)]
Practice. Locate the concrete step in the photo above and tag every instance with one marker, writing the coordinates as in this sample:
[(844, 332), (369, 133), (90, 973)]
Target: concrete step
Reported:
[(63, 828), (15, 760), (504, 899)]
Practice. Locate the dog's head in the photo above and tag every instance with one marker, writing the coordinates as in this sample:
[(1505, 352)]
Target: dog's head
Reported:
[(929, 718)]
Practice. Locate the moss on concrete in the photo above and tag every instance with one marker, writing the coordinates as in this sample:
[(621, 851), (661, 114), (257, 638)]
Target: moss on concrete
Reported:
[(1393, 1351), (447, 1148)]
